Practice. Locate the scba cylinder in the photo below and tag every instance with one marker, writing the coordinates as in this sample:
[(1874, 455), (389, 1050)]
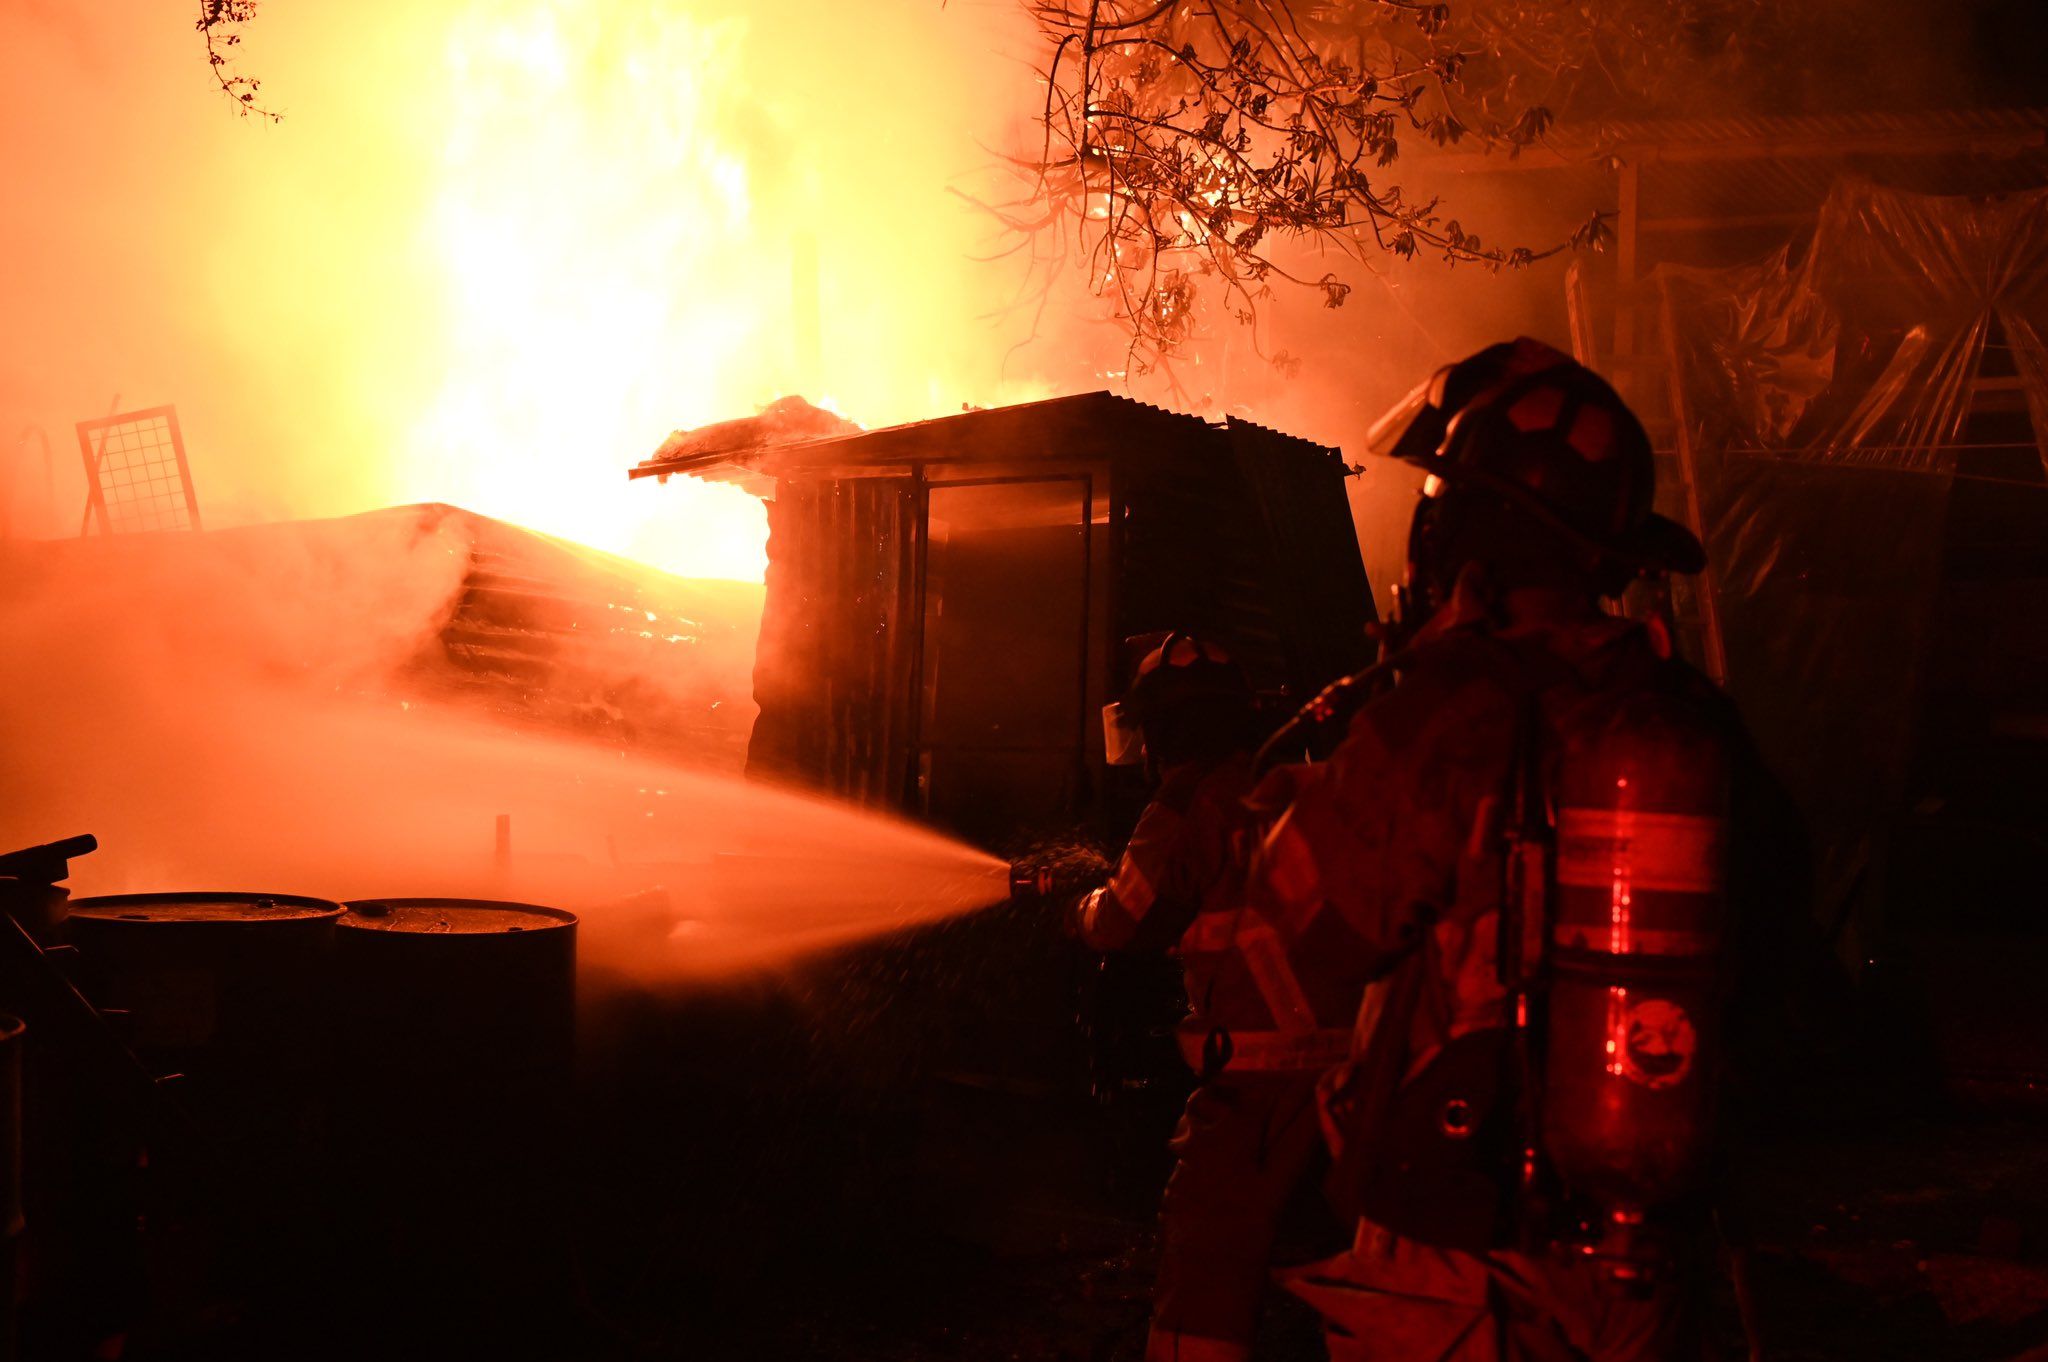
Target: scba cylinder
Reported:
[(1637, 937)]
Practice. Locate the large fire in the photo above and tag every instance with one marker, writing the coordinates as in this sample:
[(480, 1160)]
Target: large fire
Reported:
[(603, 273), (496, 252)]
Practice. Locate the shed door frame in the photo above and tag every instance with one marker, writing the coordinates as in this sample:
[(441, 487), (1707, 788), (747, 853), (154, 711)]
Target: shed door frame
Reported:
[(917, 796)]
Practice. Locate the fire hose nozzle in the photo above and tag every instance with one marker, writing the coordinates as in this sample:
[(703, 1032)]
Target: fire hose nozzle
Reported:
[(1029, 881), (48, 863)]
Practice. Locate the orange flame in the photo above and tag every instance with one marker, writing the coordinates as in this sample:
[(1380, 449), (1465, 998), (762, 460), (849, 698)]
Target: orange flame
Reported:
[(626, 226), (499, 249), (593, 226)]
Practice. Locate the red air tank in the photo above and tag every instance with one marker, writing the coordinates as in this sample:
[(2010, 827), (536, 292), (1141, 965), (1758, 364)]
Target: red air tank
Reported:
[(1637, 937)]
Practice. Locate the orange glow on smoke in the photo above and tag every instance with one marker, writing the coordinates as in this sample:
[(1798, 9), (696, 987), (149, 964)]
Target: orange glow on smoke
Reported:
[(498, 249)]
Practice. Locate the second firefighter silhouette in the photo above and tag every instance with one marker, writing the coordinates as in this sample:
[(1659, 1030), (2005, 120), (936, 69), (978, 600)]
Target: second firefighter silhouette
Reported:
[(1270, 1005)]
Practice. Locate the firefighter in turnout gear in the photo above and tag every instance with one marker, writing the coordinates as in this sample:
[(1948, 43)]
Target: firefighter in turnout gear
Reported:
[(1265, 1017), (1527, 833)]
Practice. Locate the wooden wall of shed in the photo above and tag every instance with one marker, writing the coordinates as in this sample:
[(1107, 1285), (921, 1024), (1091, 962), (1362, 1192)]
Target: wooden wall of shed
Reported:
[(833, 670)]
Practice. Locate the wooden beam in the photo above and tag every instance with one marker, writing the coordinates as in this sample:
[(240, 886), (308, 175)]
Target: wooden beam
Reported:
[(1589, 155), (1626, 230)]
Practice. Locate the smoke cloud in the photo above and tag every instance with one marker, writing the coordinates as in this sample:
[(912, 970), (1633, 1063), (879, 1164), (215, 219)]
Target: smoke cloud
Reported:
[(237, 710), (495, 252)]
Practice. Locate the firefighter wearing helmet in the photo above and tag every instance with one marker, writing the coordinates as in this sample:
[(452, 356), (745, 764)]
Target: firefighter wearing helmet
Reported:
[(1266, 1016), (1528, 834)]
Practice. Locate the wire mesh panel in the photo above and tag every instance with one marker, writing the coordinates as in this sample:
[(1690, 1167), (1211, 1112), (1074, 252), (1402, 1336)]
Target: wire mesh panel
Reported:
[(135, 472)]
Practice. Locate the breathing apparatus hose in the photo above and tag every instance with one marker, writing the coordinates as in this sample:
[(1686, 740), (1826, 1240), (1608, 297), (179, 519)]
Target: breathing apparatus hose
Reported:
[(1335, 703)]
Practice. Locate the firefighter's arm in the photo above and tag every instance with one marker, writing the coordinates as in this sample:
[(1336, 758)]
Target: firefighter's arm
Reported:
[(1326, 850), (1151, 897)]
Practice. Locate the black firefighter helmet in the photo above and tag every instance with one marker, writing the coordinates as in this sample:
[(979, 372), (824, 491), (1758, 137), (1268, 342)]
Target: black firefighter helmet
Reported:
[(1521, 428), (1189, 698)]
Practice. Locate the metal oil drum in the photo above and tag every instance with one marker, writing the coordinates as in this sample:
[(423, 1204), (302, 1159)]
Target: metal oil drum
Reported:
[(231, 993), (228, 989), (456, 1021)]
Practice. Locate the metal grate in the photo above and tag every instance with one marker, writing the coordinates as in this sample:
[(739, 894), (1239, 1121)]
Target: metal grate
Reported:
[(135, 473)]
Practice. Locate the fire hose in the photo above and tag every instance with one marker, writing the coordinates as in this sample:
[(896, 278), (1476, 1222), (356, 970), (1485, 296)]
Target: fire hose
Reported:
[(1303, 736)]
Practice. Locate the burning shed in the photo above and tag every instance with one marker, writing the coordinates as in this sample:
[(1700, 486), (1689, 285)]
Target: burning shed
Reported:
[(948, 601)]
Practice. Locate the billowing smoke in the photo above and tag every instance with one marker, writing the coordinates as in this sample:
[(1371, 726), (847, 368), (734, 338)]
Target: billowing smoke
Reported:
[(495, 252), (247, 710)]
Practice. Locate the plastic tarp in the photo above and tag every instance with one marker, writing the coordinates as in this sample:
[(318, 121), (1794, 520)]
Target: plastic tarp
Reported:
[(1828, 396)]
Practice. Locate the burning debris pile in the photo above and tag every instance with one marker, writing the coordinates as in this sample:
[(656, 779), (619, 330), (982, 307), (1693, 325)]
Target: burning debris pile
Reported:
[(432, 604)]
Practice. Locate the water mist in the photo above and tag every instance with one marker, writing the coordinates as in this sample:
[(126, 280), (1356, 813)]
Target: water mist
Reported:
[(231, 711)]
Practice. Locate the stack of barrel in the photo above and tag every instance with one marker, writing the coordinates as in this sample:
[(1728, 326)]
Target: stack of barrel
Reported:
[(383, 1083)]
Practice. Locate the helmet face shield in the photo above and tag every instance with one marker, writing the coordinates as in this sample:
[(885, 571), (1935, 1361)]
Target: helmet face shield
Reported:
[(1122, 743), (1412, 428)]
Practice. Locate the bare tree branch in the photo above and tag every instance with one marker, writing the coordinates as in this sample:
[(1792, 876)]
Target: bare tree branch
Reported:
[(1183, 140), (220, 23)]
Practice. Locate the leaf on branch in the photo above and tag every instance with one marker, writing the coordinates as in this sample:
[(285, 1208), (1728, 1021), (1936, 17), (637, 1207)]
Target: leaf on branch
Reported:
[(1534, 122), (1593, 234)]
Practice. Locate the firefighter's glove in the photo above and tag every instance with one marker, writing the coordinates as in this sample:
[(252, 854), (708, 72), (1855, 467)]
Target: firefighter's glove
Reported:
[(1075, 914)]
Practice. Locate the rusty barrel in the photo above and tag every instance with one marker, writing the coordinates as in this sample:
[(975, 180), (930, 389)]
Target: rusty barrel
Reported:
[(457, 1026)]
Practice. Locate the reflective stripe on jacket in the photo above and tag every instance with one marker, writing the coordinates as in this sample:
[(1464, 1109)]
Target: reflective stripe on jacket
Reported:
[(1282, 987)]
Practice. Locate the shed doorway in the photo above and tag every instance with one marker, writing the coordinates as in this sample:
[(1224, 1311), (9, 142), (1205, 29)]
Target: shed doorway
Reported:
[(1003, 671)]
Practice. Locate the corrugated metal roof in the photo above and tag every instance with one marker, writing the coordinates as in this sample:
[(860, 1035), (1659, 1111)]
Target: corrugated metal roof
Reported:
[(1084, 425)]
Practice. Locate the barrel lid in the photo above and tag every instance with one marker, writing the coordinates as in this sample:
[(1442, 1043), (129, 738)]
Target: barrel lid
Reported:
[(453, 917), (203, 906)]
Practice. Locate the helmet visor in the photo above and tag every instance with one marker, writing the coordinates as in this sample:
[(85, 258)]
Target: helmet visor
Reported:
[(1122, 743), (1412, 428)]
